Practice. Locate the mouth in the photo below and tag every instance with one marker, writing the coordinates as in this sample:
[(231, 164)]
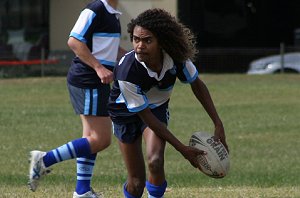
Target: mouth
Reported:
[(141, 55)]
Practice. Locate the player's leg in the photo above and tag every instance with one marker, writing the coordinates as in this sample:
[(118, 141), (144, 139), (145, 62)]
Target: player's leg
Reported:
[(84, 101), (98, 132), (134, 161), (41, 161), (155, 149), (96, 128), (130, 144)]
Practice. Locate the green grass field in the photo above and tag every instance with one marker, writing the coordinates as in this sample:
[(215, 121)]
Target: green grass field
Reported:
[(261, 115)]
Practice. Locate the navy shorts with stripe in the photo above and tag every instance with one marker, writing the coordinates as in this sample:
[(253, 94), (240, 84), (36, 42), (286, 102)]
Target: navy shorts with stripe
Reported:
[(90, 101), (129, 132)]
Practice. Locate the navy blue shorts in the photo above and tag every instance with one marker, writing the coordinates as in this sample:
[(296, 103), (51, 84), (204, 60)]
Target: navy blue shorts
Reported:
[(90, 101), (129, 132)]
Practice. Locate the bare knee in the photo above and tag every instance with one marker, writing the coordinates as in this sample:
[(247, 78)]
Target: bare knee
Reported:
[(98, 144), (135, 186), (156, 164), (103, 144)]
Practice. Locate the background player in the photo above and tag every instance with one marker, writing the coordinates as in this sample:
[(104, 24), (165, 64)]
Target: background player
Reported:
[(95, 41)]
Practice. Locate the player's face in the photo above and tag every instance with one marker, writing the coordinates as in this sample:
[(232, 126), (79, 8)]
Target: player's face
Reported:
[(145, 45)]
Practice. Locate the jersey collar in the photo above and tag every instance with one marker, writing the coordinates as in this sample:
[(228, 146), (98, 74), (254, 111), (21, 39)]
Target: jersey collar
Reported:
[(110, 9), (168, 63)]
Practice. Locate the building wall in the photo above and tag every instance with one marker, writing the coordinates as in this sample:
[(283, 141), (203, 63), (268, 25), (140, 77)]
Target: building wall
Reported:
[(62, 20)]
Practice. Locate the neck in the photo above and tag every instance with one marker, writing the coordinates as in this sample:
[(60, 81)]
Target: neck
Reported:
[(112, 3), (157, 65)]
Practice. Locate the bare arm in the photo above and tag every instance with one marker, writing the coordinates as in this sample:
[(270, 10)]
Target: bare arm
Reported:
[(161, 131), (83, 52), (202, 94)]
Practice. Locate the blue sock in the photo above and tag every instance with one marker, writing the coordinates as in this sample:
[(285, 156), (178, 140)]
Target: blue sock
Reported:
[(127, 194), (76, 148), (85, 166), (156, 191)]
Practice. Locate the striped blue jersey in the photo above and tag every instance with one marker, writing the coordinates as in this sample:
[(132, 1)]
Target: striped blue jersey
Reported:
[(137, 87), (98, 26)]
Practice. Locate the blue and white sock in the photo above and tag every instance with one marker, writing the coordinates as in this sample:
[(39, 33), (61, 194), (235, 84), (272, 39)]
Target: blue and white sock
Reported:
[(156, 191), (76, 148), (85, 167)]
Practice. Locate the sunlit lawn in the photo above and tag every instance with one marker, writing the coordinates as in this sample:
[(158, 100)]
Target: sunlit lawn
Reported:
[(260, 114)]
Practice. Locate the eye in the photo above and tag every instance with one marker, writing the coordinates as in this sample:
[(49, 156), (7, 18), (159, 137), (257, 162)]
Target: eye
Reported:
[(136, 39), (148, 41)]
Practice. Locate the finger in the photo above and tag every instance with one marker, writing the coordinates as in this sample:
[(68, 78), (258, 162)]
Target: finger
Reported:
[(104, 81), (216, 138)]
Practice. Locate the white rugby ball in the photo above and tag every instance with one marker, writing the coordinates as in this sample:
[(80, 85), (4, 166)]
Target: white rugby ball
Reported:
[(216, 162)]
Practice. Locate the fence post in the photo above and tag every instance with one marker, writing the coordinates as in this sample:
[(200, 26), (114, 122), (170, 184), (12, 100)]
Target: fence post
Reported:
[(42, 61), (281, 57)]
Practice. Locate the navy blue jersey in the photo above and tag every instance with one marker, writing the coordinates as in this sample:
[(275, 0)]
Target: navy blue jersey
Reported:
[(137, 87), (98, 26)]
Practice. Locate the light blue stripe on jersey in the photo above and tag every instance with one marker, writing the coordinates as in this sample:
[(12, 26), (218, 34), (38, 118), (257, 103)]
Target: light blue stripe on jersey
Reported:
[(78, 37), (89, 22), (117, 35), (105, 62), (152, 106), (120, 99), (138, 109), (87, 102), (95, 101), (194, 77)]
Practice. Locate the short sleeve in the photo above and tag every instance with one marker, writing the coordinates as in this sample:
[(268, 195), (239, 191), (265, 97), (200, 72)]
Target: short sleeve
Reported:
[(187, 72), (83, 24)]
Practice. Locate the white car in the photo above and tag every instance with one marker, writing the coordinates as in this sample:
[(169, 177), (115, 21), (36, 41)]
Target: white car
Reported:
[(272, 64)]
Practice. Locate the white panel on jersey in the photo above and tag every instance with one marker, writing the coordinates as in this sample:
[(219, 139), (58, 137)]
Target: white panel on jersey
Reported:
[(134, 99), (110, 44)]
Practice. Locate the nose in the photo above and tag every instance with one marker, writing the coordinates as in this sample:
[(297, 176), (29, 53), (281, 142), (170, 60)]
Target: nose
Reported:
[(141, 45)]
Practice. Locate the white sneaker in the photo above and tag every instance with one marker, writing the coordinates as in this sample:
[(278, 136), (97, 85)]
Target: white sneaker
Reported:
[(89, 194), (37, 169)]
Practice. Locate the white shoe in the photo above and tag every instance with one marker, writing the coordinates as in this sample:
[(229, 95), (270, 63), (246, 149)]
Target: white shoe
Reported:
[(37, 169), (89, 194)]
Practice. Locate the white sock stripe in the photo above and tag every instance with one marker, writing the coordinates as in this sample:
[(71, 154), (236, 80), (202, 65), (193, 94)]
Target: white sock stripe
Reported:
[(64, 152), (72, 149), (84, 169), (82, 159), (83, 178), (55, 155)]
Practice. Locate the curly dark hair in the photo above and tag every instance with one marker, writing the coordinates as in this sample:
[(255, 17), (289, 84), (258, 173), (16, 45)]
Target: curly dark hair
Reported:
[(174, 37)]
